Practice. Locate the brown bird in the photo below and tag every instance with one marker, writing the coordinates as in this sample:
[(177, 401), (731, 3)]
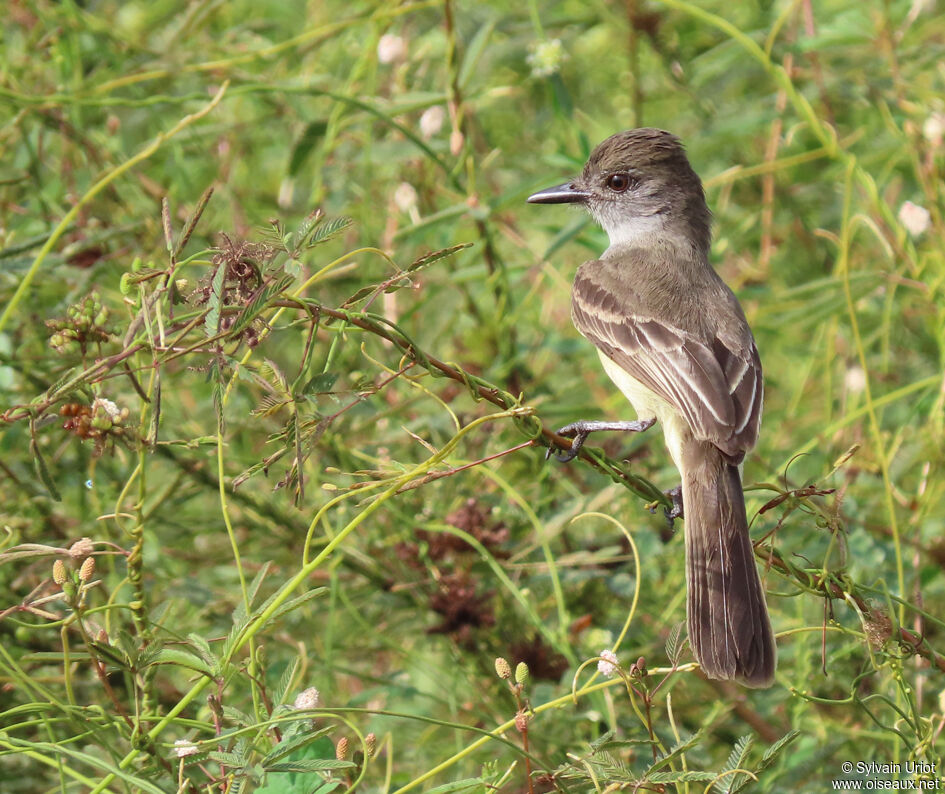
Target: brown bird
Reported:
[(674, 339)]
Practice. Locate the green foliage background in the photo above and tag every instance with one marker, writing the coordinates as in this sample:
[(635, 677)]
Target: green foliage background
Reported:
[(427, 536)]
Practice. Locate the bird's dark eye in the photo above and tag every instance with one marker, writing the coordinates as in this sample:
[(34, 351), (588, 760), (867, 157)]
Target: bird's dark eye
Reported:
[(618, 182)]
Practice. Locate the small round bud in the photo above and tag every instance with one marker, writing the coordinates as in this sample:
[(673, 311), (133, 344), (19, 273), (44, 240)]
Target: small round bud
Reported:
[(370, 745), (521, 673), (341, 749), (502, 669), (87, 570), (432, 121), (102, 423), (456, 142), (59, 572), (391, 48)]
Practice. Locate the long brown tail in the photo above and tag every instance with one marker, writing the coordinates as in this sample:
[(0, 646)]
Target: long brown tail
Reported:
[(729, 629)]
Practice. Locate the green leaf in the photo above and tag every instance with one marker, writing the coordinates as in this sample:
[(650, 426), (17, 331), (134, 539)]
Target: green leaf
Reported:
[(275, 377), (229, 759), (192, 221), (676, 751), (736, 760), (258, 579), (328, 230), (324, 787), (308, 766), (236, 717), (309, 223), (458, 785), (295, 745), (775, 750), (110, 655), (182, 658), (681, 776), (202, 647), (602, 741), (145, 274), (293, 603), (474, 52), (320, 383), (270, 404), (258, 303), (211, 322), (280, 690), (314, 131), (428, 259), (674, 643), (39, 463)]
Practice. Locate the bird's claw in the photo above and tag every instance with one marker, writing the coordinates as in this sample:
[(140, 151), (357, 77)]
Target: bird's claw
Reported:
[(578, 437), (676, 511)]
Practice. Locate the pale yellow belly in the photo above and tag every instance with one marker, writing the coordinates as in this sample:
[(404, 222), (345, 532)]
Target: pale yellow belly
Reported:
[(649, 405)]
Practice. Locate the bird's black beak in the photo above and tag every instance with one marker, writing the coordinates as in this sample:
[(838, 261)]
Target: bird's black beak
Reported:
[(568, 193)]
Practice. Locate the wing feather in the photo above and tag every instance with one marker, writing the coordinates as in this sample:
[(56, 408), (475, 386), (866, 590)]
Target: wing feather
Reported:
[(716, 386)]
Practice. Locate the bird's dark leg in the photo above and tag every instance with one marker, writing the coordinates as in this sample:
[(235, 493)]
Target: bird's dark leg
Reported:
[(676, 511), (579, 431)]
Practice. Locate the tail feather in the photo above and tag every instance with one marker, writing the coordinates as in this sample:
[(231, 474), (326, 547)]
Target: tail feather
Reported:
[(729, 629)]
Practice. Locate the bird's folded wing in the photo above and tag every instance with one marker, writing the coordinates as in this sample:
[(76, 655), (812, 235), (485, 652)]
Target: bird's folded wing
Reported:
[(718, 390)]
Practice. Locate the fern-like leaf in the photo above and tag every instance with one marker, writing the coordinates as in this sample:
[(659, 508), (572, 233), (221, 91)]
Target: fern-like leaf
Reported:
[(255, 307), (736, 760), (435, 256), (328, 230)]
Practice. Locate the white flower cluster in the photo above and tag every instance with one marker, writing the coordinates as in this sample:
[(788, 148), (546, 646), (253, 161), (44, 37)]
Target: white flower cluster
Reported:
[(546, 57)]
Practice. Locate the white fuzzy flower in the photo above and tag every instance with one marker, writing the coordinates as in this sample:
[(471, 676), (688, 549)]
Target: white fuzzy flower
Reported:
[(185, 747), (110, 409), (916, 219), (405, 197), (934, 128), (546, 57), (431, 122), (855, 379), (391, 48), (608, 663), (307, 699)]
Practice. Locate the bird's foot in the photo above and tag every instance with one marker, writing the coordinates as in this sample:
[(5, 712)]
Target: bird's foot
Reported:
[(579, 431), (676, 511)]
